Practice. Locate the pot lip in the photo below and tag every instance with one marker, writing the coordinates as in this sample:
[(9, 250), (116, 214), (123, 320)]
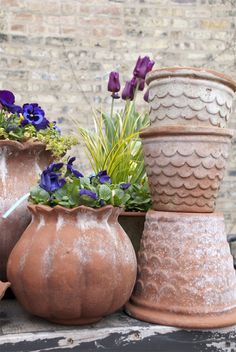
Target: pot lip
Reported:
[(191, 72), (22, 145), (59, 209), (133, 213), (172, 214), (179, 130)]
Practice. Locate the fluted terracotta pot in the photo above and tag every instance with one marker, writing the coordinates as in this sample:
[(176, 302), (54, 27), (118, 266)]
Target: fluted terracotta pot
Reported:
[(185, 276), (20, 166), (185, 166), (190, 96), (73, 266), (3, 287)]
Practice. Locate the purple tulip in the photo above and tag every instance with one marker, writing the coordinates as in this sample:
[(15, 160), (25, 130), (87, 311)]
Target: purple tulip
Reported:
[(7, 100), (88, 193), (143, 66), (50, 180), (125, 186), (146, 96), (103, 177), (34, 115), (138, 82), (128, 91), (71, 169), (114, 82)]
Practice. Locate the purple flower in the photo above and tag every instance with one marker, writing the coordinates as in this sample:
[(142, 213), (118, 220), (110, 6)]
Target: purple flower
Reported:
[(138, 82), (34, 115), (50, 180), (71, 169), (114, 82), (125, 186), (146, 96), (103, 177), (55, 127), (143, 66), (7, 100), (128, 91), (88, 193)]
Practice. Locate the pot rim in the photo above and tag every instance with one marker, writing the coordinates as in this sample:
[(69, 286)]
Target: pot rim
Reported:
[(59, 209), (22, 145), (191, 72), (133, 213), (179, 130)]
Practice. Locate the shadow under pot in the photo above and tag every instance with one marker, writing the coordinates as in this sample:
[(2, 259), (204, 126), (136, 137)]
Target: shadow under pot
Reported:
[(189, 96), (185, 166), (73, 266)]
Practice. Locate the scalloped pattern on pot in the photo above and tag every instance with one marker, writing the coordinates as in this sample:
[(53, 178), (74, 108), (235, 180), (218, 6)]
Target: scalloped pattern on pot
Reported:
[(189, 101), (185, 172), (184, 265)]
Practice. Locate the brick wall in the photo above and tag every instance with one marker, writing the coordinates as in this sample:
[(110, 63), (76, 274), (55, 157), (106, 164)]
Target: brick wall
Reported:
[(59, 53)]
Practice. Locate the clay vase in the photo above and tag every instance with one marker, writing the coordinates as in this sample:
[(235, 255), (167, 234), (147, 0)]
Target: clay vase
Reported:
[(73, 266), (189, 96), (20, 166), (185, 276), (3, 287), (185, 166)]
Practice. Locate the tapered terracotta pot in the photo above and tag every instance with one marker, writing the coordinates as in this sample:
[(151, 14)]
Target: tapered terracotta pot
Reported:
[(185, 276), (3, 287), (190, 96), (185, 166), (20, 166), (73, 266)]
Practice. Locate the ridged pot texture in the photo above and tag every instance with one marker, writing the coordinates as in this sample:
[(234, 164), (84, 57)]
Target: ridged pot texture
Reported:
[(20, 166), (73, 266), (190, 96), (185, 166)]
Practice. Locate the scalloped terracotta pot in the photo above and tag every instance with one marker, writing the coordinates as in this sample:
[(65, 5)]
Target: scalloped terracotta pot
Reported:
[(185, 166), (20, 165), (190, 96), (185, 275), (73, 266)]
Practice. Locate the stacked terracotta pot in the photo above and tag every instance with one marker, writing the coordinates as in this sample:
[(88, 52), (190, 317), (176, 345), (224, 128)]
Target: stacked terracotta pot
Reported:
[(185, 270)]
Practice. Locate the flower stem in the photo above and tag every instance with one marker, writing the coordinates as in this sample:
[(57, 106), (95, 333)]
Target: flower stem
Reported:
[(14, 206), (112, 107)]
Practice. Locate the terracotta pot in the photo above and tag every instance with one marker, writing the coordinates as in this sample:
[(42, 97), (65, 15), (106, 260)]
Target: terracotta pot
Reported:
[(133, 224), (20, 166), (185, 166), (3, 287), (73, 266), (189, 96), (185, 276)]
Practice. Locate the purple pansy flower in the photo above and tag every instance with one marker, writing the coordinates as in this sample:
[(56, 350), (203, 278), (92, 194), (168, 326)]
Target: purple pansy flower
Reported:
[(50, 180), (125, 186), (70, 168), (114, 84), (103, 177), (146, 96), (143, 66), (7, 100), (34, 115), (128, 91), (88, 193)]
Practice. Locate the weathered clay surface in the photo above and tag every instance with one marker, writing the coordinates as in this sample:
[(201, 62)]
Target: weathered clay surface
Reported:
[(20, 166), (3, 287), (185, 166), (190, 96), (185, 272), (73, 266)]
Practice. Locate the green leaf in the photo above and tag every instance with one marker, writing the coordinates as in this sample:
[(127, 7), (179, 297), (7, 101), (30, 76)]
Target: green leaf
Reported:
[(39, 195), (104, 192)]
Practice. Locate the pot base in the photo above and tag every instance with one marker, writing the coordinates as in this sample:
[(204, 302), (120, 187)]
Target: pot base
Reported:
[(79, 321), (208, 321)]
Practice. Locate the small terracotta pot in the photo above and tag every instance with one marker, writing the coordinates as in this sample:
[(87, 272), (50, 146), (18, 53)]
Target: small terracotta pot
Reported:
[(185, 166), (3, 287), (185, 276), (190, 96), (73, 266), (133, 224), (20, 166)]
